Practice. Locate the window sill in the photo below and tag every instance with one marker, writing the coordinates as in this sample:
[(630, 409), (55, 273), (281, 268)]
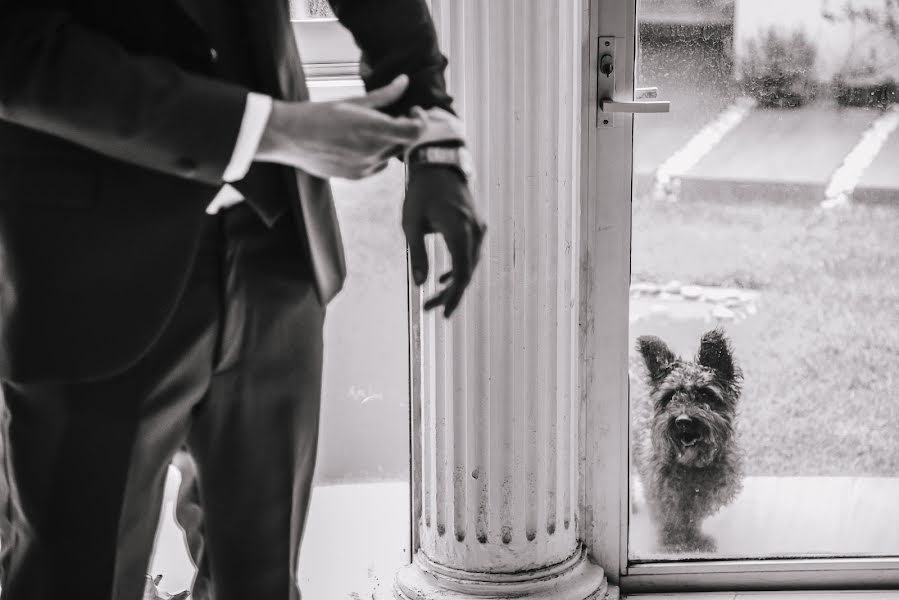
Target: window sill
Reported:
[(811, 595)]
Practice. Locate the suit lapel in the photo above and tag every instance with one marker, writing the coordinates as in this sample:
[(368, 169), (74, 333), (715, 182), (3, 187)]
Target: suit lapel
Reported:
[(276, 53), (281, 73), (313, 206)]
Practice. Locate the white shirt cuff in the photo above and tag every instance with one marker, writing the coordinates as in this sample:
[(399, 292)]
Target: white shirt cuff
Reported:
[(441, 126), (255, 118)]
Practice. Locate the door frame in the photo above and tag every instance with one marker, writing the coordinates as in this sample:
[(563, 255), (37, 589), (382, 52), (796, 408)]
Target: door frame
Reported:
[(331, 59)]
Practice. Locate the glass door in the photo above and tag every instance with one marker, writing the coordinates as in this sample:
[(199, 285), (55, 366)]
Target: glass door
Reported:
[(763, 337)]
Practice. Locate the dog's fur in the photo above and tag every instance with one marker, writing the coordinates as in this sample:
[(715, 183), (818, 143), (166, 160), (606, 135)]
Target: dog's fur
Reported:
[(684, 442)]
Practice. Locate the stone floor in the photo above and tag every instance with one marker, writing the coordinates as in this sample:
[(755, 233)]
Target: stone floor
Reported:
[(358, 534)]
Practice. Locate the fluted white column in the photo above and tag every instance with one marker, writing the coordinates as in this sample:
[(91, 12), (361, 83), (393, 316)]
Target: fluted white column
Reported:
[(496, 465)]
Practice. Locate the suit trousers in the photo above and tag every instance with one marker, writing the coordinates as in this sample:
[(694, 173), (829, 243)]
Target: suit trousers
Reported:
[(235, 376)]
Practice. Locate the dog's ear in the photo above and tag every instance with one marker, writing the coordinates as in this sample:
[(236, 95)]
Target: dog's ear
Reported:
[(715, 353), (658, 357)]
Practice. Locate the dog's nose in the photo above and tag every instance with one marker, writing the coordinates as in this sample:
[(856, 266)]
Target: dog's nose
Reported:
[(682, 420)]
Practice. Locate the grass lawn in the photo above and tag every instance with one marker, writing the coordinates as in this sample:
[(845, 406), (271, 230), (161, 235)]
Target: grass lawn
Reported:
[(820, 358), (821, 364)]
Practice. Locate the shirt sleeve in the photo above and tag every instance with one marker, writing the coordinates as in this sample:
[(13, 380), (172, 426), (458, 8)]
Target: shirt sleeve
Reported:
[(440, 126), (252, 126), (63, 76)]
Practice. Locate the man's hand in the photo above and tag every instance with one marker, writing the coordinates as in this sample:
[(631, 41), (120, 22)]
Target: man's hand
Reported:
[(438, 201), (347, 138)]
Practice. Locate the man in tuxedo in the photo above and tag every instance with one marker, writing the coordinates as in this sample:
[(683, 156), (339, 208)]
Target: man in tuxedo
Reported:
[(168, 245)]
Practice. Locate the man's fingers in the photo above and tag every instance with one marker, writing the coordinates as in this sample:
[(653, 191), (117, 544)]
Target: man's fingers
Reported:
[(461, 247), (394, 131), (391, 151), (437, 300), (418, 256), (480, 232), (376, 168), (384, 96), (465, 252)]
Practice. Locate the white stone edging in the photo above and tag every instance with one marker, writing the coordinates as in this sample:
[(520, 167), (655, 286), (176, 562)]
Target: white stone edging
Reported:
[(668, 174), (847, 176)]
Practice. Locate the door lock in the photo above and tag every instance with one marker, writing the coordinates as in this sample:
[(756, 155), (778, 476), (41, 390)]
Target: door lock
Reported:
[(606, 65)]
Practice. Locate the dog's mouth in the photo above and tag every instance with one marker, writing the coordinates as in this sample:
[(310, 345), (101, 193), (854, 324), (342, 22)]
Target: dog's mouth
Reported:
[(688, 441), (688, 433)]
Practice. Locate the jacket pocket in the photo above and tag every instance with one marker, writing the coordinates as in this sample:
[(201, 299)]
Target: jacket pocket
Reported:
[(29, 182)]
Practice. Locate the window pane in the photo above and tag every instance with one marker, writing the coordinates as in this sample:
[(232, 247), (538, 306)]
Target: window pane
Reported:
[(766, 206)]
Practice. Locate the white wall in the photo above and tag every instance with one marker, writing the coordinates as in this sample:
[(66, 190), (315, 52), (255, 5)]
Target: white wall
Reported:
[(838, 44)]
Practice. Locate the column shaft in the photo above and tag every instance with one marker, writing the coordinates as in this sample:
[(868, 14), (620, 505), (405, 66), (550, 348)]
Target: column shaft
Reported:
[(498, 470)]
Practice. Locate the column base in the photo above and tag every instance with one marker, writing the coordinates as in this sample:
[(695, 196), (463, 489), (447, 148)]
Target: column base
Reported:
[(574, 579)]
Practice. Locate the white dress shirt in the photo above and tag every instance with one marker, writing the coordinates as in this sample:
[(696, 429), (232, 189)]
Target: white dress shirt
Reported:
[(252, 126), (440, 126)]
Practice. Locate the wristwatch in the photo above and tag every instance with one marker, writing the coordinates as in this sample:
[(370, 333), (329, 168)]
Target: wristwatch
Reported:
[(456, 157)]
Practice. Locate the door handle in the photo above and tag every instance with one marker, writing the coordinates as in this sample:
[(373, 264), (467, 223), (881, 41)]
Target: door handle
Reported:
[(636, 106), (645, 100)]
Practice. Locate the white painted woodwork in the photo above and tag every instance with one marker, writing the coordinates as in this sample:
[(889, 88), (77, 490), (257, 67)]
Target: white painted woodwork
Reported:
[(605, 244), (606, 177), (497, 495)]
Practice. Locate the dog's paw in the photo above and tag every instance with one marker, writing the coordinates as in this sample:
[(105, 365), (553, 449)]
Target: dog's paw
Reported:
[(690, 543), (703, 543)]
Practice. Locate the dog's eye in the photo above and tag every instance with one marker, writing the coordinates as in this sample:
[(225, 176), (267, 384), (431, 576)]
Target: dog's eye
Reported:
[(665, 399), (709, 397)]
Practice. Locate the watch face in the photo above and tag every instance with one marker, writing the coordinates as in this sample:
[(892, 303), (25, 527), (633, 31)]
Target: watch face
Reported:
[(436, 154), (456, 157)]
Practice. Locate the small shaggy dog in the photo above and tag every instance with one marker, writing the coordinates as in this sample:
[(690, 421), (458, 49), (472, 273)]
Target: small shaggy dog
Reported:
[(683, 439)]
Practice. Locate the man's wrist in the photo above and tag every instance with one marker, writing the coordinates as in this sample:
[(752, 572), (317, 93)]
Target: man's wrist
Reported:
[(273, 140), (257, 109), (441, 126)]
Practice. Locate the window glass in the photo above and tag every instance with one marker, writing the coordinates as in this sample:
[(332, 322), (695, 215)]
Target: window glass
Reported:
[(765, 281)]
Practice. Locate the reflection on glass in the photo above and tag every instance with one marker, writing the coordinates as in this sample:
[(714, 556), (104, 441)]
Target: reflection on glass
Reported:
[(765, 280)]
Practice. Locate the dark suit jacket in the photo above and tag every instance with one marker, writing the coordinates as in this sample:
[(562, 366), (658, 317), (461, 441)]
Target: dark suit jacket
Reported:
[(114, 135)]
